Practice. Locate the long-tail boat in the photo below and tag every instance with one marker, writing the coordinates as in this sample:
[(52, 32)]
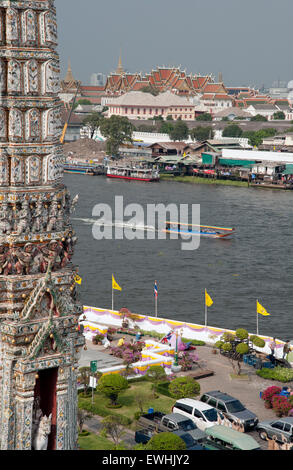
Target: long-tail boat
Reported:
[(202, 230)]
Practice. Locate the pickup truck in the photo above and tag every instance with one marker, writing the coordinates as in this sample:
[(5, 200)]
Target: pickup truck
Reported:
[(150, 423)]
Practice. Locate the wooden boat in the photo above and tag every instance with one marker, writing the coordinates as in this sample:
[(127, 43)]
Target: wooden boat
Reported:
[(208, 231), (136, 174)]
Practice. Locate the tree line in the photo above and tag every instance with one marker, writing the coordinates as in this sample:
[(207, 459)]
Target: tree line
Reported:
[(118, 130)]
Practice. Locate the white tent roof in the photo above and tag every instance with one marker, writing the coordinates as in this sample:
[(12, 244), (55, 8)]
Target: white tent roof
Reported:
[(275, 157)]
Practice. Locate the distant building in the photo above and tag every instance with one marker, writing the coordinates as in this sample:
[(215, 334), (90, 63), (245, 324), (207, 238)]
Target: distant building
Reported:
[(140, 105), (231, 114), (69, 87), (269, 109), (98, 79), (215, 97), (160, 80)]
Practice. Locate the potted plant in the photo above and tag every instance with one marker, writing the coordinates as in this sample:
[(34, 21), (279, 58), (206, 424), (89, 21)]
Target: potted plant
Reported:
[(97, 339), (214, 347), (110, 333)]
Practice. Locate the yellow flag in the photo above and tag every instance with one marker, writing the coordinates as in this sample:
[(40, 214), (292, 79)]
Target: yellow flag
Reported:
[(114, 284), (260, 309), (209, 300), (77, 279)]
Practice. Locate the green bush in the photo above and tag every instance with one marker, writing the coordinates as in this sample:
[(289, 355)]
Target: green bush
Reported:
[(241, 333), (194, 342), (227, 347), (84, 433), (184, 387), (163, 388), (165, 441), (219, 344), (111, 385), (155, 374), (226, 337), (258, 342), (137, 415), (280, 374), (242, 348)]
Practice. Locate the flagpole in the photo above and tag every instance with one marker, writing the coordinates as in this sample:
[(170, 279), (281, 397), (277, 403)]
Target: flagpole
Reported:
[(256, 319), (156, 299), (112, 294), (205, 309)]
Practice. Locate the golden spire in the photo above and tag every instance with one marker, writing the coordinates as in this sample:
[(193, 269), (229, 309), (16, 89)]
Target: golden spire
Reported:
[(69, 76), (120, 69)]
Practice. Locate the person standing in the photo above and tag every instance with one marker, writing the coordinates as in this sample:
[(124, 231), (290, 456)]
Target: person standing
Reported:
[(272, 346), (286, 349)]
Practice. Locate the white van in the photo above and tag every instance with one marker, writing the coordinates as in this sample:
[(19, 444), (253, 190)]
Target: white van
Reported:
[(202, 415)]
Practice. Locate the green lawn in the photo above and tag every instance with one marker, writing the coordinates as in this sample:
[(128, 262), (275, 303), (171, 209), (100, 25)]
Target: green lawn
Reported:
[(127, 400), (198, 179), (94, 442)]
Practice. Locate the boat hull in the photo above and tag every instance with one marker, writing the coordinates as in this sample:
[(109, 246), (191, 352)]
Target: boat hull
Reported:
[(133, 178), (198, 233)]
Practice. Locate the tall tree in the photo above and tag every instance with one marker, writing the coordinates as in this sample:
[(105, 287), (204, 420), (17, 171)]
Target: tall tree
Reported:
[(93, 122), (279, 115), (232, 130), (179, 131), (204, 117), (117, 130), (259, 117), (201, 133)]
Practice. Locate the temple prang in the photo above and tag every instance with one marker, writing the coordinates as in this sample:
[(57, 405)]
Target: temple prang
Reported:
[(40, 341)]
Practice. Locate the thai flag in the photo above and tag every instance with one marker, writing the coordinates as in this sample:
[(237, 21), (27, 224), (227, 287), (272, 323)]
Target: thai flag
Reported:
[(156, 290)]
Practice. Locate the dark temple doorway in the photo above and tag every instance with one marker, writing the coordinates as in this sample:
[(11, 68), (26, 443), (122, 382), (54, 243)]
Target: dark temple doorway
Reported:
[(45, 394)]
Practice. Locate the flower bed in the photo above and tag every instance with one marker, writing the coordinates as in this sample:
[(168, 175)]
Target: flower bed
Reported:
[(281, 405), (130, 353), (268, 395)]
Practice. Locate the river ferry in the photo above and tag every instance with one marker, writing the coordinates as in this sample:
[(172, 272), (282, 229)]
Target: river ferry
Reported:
[(132, 173), (202, 230), (84, 168)]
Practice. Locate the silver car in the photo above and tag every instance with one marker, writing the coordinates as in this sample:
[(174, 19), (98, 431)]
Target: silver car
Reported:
[(281, 429)]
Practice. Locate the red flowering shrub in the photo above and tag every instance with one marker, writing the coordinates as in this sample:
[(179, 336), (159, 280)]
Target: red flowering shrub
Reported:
[(281, 405), (269, 393)]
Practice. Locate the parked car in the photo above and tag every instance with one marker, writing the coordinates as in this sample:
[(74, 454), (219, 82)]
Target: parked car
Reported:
[(168, 423), (281, 427), (202, 414), (231, 408), (224, 438)]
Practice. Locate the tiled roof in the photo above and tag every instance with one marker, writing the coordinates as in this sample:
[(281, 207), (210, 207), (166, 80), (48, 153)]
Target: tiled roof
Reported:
[(163, 78), (139, 98), (233, 110), (170, 145)]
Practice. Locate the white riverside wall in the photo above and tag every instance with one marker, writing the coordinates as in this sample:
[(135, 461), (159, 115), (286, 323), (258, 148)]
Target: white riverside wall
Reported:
[(98, 319)]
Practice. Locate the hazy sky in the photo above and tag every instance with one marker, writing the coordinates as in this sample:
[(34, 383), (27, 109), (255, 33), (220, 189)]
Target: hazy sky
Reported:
[(249, 41)]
